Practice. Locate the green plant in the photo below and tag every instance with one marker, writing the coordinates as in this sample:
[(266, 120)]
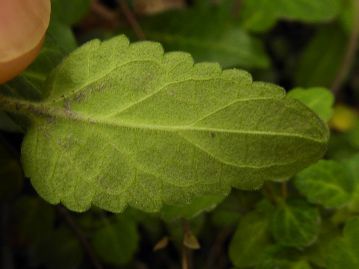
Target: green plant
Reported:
[(166, 153)]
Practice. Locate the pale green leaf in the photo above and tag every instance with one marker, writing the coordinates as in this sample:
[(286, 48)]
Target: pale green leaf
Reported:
[(320, 100), (116, 241), (129, 125), (327, 183), (251, 237), (295, 224), (345, 251)]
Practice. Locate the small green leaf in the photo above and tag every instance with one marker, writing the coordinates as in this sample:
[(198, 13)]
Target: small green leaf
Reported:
[(142, 128), (116, 242), (295, 224), (259, 15), (251, 238), (344, 252), (327, 183), (320, 100)]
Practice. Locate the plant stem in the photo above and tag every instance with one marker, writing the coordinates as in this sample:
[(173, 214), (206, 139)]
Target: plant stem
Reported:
[(131, 18), (185, 251), (80, 236), (284, 190), (17, 106), (349, 56)]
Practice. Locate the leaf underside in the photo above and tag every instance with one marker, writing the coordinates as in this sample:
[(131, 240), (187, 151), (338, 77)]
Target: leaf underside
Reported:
[(129, 125)]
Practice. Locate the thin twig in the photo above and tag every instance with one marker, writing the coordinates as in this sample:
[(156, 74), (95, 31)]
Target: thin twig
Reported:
[(131, 18), (185, 251), (284, 189), (80, 236), (218, 248), (103, 12), (185, 257), (349, 56), (236, 8)]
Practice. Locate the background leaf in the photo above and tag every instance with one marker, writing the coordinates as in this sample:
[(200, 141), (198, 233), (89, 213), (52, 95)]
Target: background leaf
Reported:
[(344, 252), (295, 224), (220, 39), (251, 237), (69, 12), (327, 183), (320, 100), (116, 241), (259, 15)]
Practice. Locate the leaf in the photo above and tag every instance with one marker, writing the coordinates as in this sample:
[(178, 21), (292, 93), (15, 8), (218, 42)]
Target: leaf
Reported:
[(317, 254), (347, 15), (324, 55), (69, 12), (209, 34), (281, 258), (228, 212), (260, 15), (196, 207), (162, 244), (327, 183), (251, 237), (344, 252), (140, 128), (295, 224), (191, 241), (320, 100), (116, 242), (352, 166), (7, 124)]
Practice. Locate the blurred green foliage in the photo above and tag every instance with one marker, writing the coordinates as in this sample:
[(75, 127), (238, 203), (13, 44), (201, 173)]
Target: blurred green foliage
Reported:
[(307, 222)]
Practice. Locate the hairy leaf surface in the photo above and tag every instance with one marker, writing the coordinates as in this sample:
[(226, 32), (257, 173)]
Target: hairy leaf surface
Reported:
[(129, 125)]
